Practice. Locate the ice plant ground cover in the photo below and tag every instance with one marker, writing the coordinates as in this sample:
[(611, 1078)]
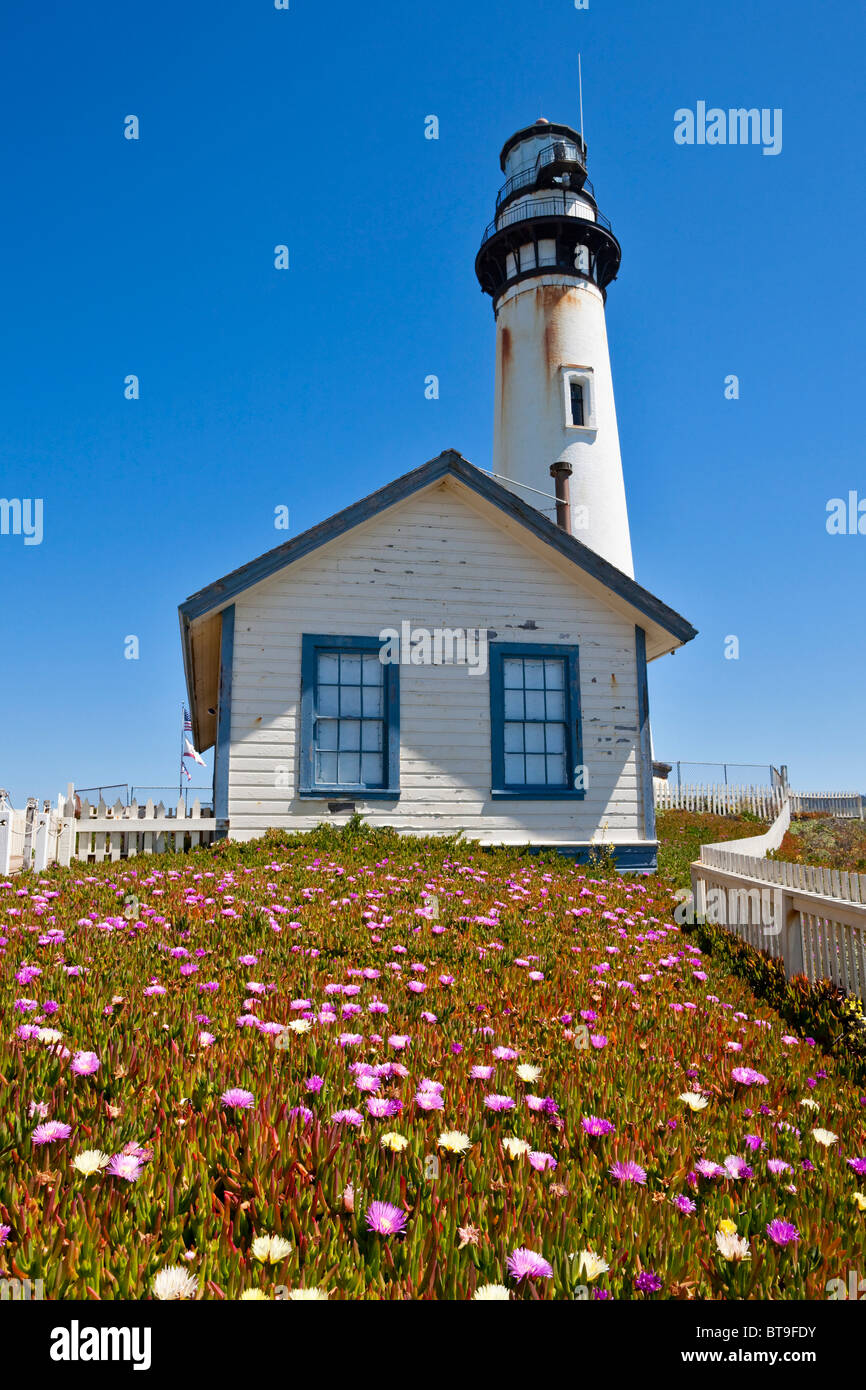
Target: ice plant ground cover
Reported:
[(356, 1066)]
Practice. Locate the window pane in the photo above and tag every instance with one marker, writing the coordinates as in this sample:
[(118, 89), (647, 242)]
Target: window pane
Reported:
[(350, 669), (329, 668), (327, 768), (555, 738), (514, 774), (371, 736), (350, 769), (535, 771), (553, 674), (372, 701), (514, 704), (514, 738), (350, 735), (371, 769), (373, 670), (556, 770), (535, 704), (350, 699), (534, 674), (534, 738), (326, 733), (555, 700), (576, 403), (328, 701), (512, 669)]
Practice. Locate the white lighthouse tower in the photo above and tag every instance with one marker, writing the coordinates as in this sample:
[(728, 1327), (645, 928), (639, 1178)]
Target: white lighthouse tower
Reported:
[(547, 260)]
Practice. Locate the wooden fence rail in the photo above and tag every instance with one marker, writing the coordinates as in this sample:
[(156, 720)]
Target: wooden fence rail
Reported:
[(811, 917)]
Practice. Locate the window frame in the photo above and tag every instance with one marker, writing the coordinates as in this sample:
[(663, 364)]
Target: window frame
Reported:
[(570, 653), (583, 377), (311, 645)]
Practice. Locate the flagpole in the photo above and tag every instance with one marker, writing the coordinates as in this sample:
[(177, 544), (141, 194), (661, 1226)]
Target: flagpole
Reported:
[(180, 772)]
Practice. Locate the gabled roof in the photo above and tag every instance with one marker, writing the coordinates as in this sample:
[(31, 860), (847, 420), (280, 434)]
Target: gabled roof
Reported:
[(450, 464)]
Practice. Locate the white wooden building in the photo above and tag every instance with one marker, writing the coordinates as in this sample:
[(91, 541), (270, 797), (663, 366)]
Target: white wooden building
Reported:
[(445, 655)]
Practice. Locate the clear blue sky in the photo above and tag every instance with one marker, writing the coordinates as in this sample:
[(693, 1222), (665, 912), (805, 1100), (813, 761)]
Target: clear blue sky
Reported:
[(306, 388)]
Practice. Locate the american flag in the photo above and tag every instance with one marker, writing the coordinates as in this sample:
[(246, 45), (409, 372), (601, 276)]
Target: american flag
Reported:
[(187, 722)]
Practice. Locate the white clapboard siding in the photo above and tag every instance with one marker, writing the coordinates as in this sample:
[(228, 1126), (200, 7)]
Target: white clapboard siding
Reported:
[(435, 562)]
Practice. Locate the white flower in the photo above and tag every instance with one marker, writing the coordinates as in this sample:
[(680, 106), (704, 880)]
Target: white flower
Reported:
[(825, 1137), (300, 1025), (809, 1103), (591, 1265), (488, 1293), (694, 1100), (453, 1141), (174, 1282), (49, 1035), (308, 1295), (732, 1247), (394, 1141), (515, 1148), (90, 1161), (528, 1073), (270, 1249), (254, 1296)]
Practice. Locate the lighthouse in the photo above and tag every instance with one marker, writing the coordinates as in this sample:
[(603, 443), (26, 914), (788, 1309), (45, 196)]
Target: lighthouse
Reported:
[(547, 260)]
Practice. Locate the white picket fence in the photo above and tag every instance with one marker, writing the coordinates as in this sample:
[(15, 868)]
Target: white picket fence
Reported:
[(811, 917), (721, 800), (33, 839), (766, 802)]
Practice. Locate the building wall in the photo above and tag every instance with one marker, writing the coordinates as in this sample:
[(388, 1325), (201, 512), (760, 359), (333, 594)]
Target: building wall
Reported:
[(438, 562)]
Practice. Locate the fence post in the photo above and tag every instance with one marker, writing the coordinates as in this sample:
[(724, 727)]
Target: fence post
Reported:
[(5, 834), (792, 939), (43, 826)]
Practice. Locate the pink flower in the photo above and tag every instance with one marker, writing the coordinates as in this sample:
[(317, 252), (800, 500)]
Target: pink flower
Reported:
[(51, 1133), (84, 1064), (542, 1161), (127, 1166), (237, 1099), (526, 1264), (386, 1219), (628, 1172), (498, 1103)]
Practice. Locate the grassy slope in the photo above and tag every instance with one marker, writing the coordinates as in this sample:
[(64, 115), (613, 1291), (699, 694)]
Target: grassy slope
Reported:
[(681, 834), (826, 840)]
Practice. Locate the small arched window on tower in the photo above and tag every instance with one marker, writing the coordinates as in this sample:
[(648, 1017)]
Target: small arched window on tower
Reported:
[(578, 398)]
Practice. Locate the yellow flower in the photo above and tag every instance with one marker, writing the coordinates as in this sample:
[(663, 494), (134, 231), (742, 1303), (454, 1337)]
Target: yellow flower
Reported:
[(308, 1295), (453, 1141), (254, 1296), (728, 1228), (270, 1249), (694, 1100), (860, 1199), (394, 1141)]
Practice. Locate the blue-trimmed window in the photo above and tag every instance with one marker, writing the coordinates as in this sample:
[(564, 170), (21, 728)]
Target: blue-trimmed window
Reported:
[(350, 718), (535, 721)]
